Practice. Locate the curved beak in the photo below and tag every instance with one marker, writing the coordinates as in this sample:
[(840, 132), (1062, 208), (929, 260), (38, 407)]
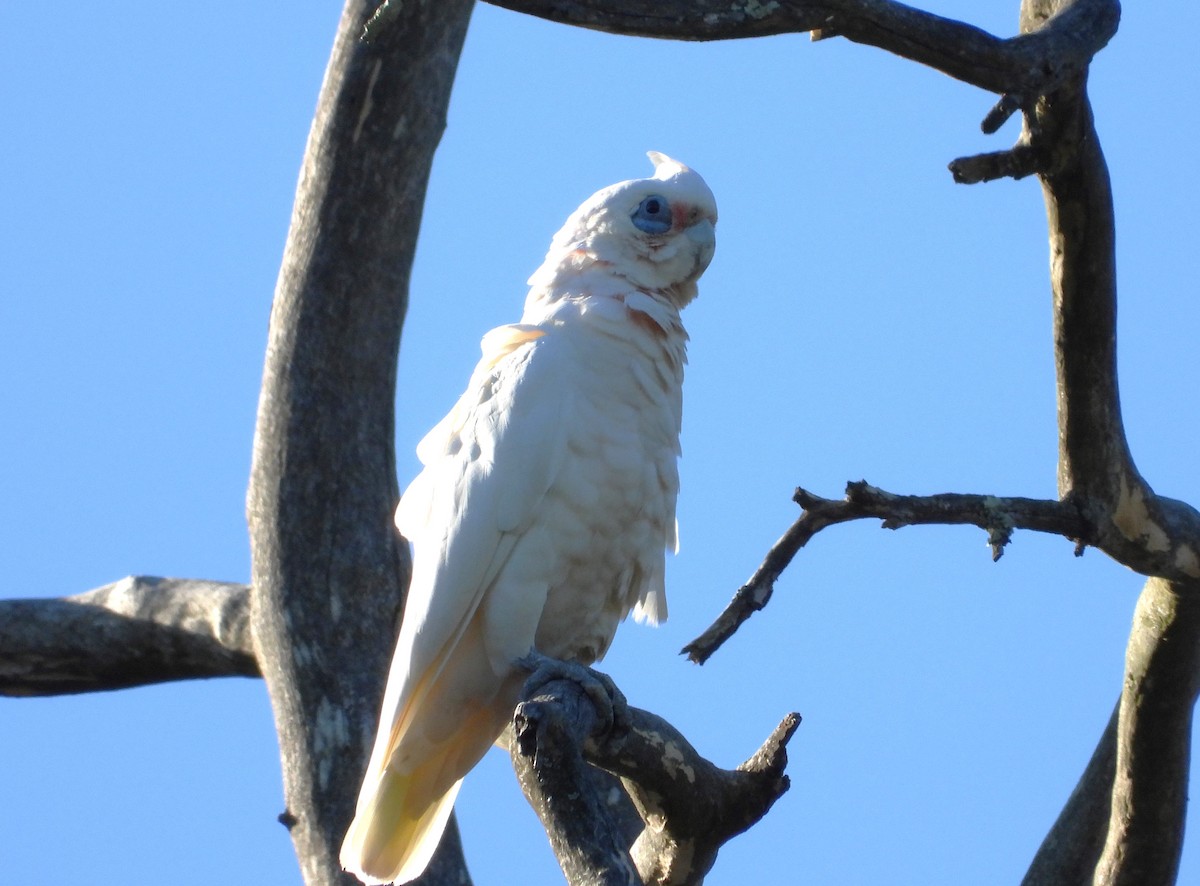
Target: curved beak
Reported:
[(704, 236)]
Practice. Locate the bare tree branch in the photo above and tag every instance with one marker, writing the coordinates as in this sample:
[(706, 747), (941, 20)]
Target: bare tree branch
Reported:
[(1154, 739), (323, 483), (1028, 65), (1050, 55), (997, 516), (328, 567), (1070, 851), (1148, 533), (548, 734), (1019, 161), (133, 632), (690, 808), (1124, 822)]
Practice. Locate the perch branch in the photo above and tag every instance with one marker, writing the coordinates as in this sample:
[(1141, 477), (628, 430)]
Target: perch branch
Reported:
[(997, 516), (690, 807), (549, 730), (133, 632)]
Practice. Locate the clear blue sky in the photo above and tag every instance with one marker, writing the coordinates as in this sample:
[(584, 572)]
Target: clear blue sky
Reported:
[(864, 317)]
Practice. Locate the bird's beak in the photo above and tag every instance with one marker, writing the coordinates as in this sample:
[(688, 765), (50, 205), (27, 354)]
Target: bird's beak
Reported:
[(704, 236)]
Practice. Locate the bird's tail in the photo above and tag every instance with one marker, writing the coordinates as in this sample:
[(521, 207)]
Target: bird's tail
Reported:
[(395, 831)]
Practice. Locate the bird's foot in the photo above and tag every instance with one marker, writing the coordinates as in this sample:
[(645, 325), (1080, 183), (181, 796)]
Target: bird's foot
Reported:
[(608, 702)]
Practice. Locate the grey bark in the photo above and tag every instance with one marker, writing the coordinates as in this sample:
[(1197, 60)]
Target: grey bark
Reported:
[(688, 807), (997, 516), (323, 484), (328, 567), (1071, 850), (1130, 798), (1154, 739), (133, 632), (1027, 65)]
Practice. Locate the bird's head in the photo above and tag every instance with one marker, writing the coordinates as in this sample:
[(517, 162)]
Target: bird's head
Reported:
[(657, 233)]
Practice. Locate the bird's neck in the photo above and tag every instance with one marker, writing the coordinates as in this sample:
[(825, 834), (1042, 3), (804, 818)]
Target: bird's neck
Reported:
[(608, 304)]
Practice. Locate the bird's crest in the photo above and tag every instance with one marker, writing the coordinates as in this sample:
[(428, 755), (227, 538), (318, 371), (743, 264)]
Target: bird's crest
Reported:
[(664, 166)]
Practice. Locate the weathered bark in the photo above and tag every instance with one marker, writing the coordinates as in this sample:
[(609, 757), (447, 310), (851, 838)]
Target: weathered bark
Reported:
[(1071, 849), (585, 835), (997, 516), (1105, 502), (328, 567), (1026, 66), (1096, 471), (1154, 739), (133, 632), (689, 807), (1124, 822), (329, 571)]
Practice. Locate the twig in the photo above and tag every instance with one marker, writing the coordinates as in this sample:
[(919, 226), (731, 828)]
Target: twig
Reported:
[(1017, 162)]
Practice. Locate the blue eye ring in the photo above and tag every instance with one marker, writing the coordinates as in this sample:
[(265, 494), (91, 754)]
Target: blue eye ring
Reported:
[(653, 215)]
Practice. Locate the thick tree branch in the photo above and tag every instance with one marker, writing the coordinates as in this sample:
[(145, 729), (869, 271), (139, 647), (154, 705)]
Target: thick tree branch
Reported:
[(690, 808), (328, 567), (1124, 822), (997, 516), (1070, 851), (1149, 533), (1051, 54), (548, 733), (1154, 739), (133, 632), (1028, 65)]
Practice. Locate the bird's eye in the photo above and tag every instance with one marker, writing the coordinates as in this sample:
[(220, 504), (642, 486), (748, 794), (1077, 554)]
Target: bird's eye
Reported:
[(653, 215)]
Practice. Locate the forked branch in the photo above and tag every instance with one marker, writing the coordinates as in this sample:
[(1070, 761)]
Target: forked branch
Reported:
[(689, 807)]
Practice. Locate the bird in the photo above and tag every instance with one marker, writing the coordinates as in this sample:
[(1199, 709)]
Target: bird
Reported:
[(545, 505)]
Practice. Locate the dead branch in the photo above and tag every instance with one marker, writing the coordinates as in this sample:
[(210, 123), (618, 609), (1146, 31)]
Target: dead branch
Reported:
[(1070, 851), (1124, 822), (1154, 739), (690, 808), (133, 632), (1020, 68), (996, 516), (549, 731), (328, 568)]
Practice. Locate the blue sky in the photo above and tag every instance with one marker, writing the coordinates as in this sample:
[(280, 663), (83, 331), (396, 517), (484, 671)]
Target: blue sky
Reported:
[(864, 317)]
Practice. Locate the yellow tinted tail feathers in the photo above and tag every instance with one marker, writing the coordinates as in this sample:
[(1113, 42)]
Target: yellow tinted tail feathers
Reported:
[(394, 836)]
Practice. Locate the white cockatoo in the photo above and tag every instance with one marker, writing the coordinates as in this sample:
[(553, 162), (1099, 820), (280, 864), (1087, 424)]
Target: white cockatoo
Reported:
[(545, 505)]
